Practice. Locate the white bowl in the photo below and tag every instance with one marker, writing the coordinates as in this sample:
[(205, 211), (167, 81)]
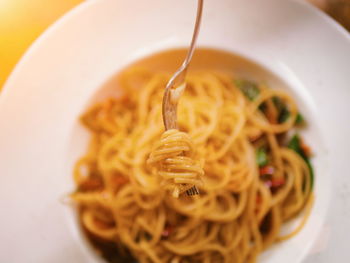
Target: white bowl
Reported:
[(62, 71)]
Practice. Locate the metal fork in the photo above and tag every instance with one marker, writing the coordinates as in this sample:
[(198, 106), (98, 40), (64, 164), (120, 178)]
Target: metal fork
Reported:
[(176, 86)]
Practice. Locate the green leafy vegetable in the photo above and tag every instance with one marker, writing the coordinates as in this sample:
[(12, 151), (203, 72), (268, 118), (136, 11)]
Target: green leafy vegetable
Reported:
[(283, 112), (249, 89), (299, 119), (278, 103), (261, 157), (295, 145), (283, 115)]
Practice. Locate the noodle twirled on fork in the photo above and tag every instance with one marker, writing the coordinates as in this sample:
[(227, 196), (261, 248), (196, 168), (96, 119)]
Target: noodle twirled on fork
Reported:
[(173, 155)]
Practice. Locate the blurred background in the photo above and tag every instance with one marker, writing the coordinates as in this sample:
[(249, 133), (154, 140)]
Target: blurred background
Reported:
[(22, 21)]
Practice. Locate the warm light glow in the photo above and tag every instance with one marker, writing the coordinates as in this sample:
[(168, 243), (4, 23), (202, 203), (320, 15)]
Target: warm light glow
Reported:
[(21, 22)]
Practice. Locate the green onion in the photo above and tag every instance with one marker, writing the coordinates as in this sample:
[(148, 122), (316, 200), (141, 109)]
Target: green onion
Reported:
[(294, 144), (249, 89), (261, 157)]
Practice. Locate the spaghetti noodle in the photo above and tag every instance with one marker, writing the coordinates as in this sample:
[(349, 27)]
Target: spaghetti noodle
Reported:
[(253, 181), (173, 156)]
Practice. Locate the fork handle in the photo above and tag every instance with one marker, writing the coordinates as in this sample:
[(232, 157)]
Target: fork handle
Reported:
[(195, 34), (169, 111), (175, 85)]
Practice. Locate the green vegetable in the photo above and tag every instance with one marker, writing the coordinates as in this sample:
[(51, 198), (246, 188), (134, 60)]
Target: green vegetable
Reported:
[(278, 103), (295, 145), (249, 89), (261, 157), (299, 119), (283, 115), (283, 112)]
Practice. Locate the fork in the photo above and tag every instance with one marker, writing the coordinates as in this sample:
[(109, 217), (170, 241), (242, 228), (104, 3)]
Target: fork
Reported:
[(176, 86)]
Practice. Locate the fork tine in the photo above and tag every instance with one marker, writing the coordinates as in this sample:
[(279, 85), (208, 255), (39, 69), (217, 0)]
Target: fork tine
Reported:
[(196, 190), (189, 191), (177, 81), (192, 191)]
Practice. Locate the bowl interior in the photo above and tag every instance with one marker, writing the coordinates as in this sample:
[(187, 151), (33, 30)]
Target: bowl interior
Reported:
[(238, 67)]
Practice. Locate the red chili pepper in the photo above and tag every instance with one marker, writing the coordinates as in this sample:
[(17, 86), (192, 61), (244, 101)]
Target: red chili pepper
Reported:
[(278, 182), (267, 170), (268, 183), (167, 231)]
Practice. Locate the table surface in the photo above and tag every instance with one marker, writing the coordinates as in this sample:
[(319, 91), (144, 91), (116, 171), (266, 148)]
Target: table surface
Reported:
[(22, 21)]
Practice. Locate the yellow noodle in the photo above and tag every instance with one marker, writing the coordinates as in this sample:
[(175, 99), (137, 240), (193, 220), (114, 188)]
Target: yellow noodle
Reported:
[(173, 156), (128, 178)]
